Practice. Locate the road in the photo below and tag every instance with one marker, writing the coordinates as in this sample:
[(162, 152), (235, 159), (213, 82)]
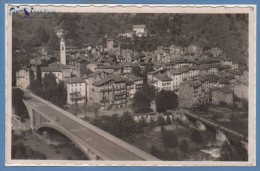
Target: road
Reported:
[(106, 146)]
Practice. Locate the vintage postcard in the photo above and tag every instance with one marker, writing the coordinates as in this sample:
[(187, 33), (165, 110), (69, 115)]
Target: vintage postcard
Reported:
[(130, 85)]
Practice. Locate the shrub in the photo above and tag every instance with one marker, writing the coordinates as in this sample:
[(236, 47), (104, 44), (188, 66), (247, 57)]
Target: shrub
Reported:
[(161, 121), (169, 139), (184, 146), (196, 136)]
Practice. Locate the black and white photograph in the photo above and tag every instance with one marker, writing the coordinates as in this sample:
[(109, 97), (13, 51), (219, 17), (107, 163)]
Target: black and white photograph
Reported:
[(130, 85)]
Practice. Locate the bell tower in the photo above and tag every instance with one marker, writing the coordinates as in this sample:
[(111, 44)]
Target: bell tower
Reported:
[(62, 51), (62, 47)]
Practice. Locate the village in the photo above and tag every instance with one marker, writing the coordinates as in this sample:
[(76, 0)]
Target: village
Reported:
[(108, 80)]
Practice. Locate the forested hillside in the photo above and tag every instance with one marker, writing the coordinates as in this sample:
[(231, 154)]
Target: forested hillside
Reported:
[(226, 31)]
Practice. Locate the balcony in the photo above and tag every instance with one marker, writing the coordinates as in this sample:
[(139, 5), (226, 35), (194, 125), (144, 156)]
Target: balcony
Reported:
[(76, 97), (119, 88), (120, 93), (106, 89), (120, 102), (120, 97)]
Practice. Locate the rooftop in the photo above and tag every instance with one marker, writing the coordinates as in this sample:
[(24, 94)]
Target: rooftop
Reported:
[(133, 77), (95, 74), (194, 84), (163, 77), (141, 26), (75, 80), (109, 67), (60, 65), (112, 77), (223, 81), (51, 69), (180, 70)]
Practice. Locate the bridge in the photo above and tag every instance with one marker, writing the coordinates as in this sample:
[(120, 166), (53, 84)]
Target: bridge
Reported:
[(94, 142), (214, 125)]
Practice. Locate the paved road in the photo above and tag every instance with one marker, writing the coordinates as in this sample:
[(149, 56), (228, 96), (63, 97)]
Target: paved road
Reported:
[(109, 148)]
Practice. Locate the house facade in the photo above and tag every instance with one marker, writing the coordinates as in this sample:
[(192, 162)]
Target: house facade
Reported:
[(24, 77), (76, 90)]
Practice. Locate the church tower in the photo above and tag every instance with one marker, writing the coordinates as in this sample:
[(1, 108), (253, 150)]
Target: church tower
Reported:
[(62, 51)]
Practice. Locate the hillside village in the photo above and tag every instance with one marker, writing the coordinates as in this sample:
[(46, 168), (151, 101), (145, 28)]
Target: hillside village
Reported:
[(111, 78), (105, 74)]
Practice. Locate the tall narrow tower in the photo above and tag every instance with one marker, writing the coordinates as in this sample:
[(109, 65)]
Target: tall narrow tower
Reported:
[(62, 47), (62, 51)]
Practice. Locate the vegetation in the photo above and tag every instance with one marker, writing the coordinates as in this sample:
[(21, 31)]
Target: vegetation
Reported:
[(169, 138), (20, 151), (18, 105), (50, 90), (166, 100), (226, 31), (161, 121), (120, 126), (141, 102), (184, 146), (196, 136), (233, 152)]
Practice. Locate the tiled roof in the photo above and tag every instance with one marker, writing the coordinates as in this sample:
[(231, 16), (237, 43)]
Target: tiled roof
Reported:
[(195, 84), (138, 26), (154, 72), (204, 67), (179, 70), (27, 68), (128, 64), (95, 74), (212, 78), (235, 72), (51, 69), (133, 77), (109, 67), (58, 64), (74, 80), (112, 77), (101, 82), (223, 81), (163, 77)]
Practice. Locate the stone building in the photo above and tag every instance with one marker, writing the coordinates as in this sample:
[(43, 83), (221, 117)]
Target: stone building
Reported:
[(191, 93), (24, 76)]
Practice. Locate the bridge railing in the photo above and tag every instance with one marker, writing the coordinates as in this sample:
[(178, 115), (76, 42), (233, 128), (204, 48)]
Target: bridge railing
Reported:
[(99, 131)]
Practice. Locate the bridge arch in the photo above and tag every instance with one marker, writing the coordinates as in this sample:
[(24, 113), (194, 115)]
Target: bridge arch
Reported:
[(70, 136)]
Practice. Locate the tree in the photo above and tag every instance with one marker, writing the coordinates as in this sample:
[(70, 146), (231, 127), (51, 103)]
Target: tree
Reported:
[(59, 98), (50, 90), (161, 121), (184, 146), (233, 152), (166, 100), (154, 151), (152, 123), (169, 139), (141, 103), (168, 120), (96, 106), (196, 136), (36, 87), (18, 105), (137, 71), (149, 91)]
